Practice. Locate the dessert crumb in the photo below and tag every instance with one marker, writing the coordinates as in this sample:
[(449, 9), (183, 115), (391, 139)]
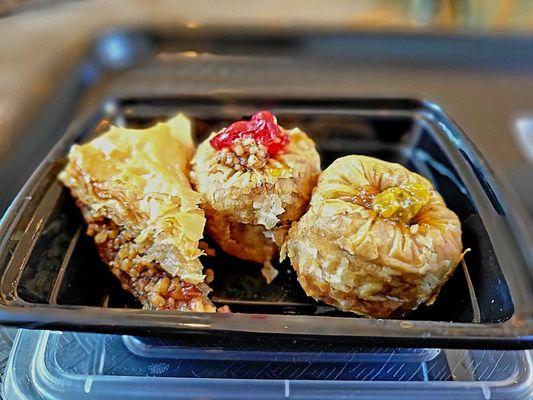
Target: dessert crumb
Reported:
[(269, 272)]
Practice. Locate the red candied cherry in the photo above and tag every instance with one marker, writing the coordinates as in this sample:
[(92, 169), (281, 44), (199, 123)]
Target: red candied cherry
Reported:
[(262, 127)]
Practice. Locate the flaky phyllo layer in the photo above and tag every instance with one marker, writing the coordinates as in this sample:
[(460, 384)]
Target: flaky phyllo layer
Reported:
[(259, 197), (249, 210), (137, 178), (354, 248)]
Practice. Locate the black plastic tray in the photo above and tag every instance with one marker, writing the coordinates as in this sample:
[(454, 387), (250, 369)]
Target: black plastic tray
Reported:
[(52, 276)]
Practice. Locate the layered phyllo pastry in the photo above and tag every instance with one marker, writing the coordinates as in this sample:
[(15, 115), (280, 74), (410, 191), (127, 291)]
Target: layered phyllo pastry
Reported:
[(377, 239), (255, 178), (132, 188)]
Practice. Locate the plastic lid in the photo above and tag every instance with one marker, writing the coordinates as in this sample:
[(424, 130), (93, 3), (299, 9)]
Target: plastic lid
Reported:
[(55, 365)]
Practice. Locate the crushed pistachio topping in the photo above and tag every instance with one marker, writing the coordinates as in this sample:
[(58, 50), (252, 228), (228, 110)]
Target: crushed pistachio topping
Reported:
[(402, 202), (244, 154)]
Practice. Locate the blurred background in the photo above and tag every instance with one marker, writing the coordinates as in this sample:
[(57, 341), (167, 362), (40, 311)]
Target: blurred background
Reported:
[(485, 44)]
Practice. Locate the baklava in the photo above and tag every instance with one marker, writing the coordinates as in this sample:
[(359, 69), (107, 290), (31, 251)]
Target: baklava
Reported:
[(377, 239), (255, 178), (133, 190)]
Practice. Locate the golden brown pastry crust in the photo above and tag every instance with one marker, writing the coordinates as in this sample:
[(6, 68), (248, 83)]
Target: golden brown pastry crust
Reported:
[(348, 256), (248, 242), (248, 211), (142, 211)]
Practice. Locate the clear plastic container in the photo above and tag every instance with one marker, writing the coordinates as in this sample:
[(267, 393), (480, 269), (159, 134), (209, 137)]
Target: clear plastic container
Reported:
[(212, 348), (55, 365)]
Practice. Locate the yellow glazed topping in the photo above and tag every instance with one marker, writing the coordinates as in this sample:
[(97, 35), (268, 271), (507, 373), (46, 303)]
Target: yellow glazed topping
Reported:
[(402, 202)]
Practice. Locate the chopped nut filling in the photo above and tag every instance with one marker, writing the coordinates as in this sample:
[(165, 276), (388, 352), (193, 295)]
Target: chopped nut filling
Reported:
[(244, 154), (155, 288), (365, 195)]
